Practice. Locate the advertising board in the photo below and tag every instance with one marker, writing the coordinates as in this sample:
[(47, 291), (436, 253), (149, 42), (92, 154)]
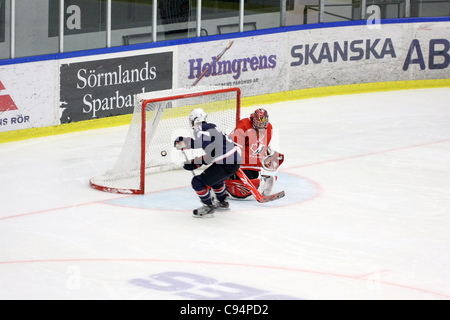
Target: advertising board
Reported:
[(107, 87), (27, 96)]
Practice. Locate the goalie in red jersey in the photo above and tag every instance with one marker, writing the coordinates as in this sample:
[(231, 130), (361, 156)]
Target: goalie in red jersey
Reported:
[(253, 136)]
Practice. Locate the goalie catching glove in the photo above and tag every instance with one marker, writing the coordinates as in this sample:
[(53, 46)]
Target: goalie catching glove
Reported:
[(273, 160)]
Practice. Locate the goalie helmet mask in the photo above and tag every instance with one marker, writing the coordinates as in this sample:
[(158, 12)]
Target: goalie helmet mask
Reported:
[(196, 117), (260, 119)]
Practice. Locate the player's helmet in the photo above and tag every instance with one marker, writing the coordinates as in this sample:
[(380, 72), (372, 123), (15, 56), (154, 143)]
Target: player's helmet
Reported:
[(260, 119), (197, 116)]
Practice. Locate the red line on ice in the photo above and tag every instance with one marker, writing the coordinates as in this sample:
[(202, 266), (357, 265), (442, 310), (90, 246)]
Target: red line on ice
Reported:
[(360, 277)]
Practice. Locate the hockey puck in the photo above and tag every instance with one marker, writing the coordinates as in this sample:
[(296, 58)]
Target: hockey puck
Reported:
[(163, 153)]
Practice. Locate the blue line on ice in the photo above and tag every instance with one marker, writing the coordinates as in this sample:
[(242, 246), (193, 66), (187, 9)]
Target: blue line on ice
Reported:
[(297, 190)]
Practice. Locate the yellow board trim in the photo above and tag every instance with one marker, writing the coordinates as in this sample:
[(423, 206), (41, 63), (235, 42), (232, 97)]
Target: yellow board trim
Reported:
[(18, 135), (344, 89), (25, 134)]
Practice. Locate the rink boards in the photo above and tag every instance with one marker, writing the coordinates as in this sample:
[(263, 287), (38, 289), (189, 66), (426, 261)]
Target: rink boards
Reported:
[(72, 92)]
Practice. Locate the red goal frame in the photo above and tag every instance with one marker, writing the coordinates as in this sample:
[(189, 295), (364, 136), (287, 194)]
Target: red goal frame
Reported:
[(142, 174)]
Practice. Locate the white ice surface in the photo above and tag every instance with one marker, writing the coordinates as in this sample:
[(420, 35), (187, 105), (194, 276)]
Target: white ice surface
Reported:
[(366, 213)]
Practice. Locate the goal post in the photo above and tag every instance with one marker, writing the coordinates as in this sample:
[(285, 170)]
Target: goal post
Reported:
[(158, 119)]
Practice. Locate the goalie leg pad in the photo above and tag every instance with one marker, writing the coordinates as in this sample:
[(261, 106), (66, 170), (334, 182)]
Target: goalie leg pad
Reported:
[(267, 186), (238, 190)]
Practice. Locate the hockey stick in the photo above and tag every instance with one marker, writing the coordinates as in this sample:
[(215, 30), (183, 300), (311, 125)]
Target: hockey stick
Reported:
[(217, 59), (258, 196), (187, 160)]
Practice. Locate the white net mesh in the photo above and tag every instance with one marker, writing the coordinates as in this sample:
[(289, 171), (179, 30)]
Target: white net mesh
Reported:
[(167, 114)]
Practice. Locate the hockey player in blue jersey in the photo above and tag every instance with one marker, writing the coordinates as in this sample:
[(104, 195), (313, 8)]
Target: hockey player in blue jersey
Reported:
[(220, 153)]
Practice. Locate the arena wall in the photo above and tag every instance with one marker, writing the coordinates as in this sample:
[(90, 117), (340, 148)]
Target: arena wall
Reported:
[(76, 91)]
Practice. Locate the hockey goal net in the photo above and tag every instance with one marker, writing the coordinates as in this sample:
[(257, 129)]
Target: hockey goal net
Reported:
[(158, 119)]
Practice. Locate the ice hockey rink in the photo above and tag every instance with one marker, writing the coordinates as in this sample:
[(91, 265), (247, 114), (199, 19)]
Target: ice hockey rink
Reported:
[(366, 213)]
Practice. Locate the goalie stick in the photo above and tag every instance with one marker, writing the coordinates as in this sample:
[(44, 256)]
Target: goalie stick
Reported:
[(258, 196)]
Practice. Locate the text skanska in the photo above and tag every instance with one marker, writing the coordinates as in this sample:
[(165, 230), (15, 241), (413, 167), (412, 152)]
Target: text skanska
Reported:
[(437, 49), (355, 50)]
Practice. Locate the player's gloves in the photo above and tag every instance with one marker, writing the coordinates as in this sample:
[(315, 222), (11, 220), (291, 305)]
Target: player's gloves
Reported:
[(180, 143), (190, 166), (194, 164)]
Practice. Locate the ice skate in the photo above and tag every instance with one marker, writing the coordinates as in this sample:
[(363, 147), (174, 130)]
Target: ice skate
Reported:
[(222, 205), (205, 210)]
